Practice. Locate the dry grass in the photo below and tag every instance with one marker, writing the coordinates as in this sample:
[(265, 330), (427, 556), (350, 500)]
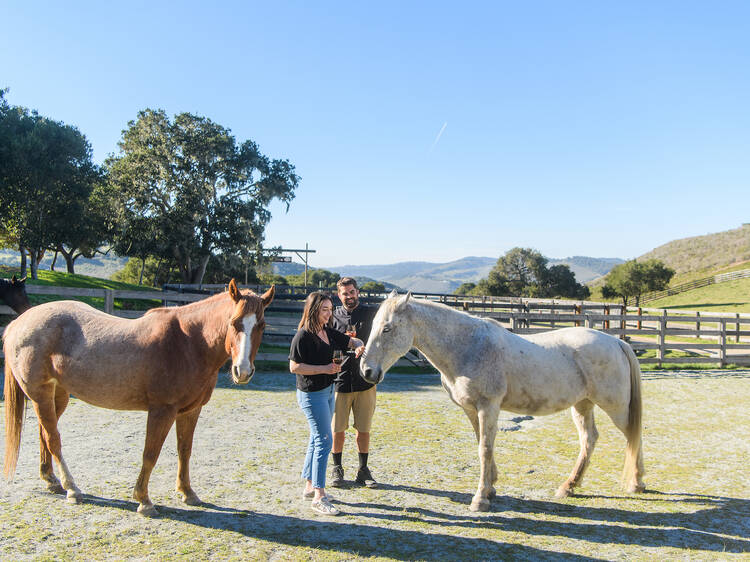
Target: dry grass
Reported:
[(249, 448)]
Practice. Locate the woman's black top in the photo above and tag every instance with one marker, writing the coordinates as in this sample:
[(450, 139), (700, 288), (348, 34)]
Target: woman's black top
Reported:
[(309, 348)]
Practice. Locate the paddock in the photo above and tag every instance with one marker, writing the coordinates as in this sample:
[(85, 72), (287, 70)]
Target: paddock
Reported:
[(251, 441)]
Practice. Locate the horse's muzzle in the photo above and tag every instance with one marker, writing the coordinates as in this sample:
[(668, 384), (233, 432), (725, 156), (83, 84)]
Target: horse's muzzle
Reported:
[(372, 375), (239, 377)]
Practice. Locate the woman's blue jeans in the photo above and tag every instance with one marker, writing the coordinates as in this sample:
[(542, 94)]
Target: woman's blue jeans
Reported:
[(318, 409)]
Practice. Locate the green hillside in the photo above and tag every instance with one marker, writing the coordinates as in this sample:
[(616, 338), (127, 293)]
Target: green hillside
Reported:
[(60, 279), (731, 296), (701, 253)]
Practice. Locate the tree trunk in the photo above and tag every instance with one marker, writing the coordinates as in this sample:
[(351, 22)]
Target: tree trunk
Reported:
[(197, 273), (33, 263), (69, 259), (23, 261), (143, 267), (70, 263), (54, 261), (156, 275)]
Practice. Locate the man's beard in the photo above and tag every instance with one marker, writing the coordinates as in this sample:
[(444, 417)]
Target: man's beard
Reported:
[(351, 302)]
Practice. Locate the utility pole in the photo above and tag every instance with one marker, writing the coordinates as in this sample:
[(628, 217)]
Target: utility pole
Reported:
[(301, 254)]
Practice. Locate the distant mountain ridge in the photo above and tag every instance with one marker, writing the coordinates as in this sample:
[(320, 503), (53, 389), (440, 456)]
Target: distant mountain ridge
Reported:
[(428, 277), (419, 276)]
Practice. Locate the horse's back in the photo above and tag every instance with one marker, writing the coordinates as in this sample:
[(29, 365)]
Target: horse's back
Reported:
[(561, 367), (105, 360)]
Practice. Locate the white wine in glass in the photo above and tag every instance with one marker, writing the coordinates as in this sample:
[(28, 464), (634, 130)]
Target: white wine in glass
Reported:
[(338, 357)]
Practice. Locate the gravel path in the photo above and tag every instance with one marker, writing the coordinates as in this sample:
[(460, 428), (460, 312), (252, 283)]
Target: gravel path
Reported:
[(248, 451)]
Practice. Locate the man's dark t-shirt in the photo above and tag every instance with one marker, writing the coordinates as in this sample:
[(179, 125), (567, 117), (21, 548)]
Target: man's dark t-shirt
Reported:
[(309, 348), (350, 379)]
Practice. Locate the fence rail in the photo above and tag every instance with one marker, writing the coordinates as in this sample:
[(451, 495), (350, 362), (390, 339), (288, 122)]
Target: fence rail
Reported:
[(709, 338), (695, 284)]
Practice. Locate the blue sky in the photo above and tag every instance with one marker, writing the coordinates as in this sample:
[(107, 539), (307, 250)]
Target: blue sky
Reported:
[(575, 128)]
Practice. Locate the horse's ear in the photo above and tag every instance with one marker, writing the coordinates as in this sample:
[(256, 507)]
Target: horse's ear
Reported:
[(394, 293), (402, 302), (16, 281), (268, 296), (234, 292)]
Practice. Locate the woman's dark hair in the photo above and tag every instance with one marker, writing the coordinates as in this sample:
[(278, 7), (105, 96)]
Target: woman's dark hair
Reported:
[(313, 302)]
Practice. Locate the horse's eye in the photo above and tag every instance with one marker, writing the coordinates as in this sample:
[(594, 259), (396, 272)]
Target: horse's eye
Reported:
[(261, 325), (387, 328)]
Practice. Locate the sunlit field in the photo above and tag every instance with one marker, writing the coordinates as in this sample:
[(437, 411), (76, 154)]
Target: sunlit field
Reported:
[(249, 447)]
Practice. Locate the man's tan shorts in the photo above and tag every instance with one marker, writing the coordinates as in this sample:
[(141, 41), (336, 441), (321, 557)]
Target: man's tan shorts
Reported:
[(361, 403)]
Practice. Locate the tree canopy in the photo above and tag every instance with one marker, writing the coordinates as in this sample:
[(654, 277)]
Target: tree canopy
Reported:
[(523, 272), (189, 191), (48, 195), (633, 279)]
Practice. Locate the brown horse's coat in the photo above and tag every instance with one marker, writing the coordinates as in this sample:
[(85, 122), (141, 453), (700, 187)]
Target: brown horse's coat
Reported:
[(165, 363)]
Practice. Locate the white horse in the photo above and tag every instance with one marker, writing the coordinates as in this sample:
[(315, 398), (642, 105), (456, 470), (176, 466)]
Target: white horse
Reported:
[(485, 368)]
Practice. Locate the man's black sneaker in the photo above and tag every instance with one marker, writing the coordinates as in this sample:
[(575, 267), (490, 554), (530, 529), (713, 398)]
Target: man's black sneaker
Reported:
[(337, 476), (364, 478)]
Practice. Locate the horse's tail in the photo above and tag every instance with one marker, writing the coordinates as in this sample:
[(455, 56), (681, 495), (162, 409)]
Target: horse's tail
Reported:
[(634, 470), (15, 400)]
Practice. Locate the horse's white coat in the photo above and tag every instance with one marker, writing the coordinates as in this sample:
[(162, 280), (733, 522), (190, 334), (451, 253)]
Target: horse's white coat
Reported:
[(485, 368)]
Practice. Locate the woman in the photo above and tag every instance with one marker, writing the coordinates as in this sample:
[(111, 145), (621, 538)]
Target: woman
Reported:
[(311, 359)]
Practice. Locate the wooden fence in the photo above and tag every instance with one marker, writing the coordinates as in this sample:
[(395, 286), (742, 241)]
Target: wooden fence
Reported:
[(715, 338), (695, 284)]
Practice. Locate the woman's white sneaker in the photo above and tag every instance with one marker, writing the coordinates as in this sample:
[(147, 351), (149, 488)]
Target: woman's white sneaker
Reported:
[(324, 506)]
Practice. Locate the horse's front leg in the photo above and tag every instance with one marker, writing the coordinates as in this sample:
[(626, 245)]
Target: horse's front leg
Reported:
[(471, 413), (157, 428), (487, 414), (185, 429)]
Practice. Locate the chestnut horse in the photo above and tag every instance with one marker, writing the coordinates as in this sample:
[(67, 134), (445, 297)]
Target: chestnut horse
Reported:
[(13, 293), (165, 362)]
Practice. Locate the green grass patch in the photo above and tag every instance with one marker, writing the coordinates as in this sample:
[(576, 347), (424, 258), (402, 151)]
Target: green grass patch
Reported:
[(60, 279)]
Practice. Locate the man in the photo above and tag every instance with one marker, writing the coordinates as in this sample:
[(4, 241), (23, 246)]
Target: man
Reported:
[(353, 393)]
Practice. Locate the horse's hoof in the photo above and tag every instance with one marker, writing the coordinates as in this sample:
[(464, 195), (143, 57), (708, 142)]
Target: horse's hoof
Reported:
[(480, 505), (636, 489), (75, 496), (148, 510), (564, 492), (55, 488), (191, 499)]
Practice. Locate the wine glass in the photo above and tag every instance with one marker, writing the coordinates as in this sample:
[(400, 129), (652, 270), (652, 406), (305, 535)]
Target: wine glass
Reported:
[(351, 330), (338, 356)]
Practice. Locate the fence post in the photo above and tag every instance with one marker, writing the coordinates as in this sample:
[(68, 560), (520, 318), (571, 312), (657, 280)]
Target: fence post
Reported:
[(662, 337), (577, 310), (640, 313), (623, 321), (552, 310), (606, 313), (723, 342), (109, 301), (589, 322), (698, 324), (737, 326)]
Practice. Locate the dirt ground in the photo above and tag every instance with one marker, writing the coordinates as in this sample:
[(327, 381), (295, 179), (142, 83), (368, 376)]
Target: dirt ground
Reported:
[(250, 444)]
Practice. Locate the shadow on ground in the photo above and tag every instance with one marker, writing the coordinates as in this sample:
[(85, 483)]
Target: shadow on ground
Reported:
[(368, 530), (341, 536)]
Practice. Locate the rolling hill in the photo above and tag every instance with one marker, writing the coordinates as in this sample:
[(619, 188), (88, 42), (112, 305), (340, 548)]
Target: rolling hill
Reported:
[(707, 252)]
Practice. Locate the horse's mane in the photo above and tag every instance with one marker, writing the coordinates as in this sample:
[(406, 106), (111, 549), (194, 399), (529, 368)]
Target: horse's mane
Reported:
[(197, 305), (460, 313)]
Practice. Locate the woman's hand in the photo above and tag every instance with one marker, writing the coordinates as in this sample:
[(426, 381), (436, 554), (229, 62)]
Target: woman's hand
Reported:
[(359, 351), (332, 369)]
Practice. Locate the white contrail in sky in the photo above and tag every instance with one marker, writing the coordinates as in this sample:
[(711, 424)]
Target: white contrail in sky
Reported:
[(437, 138)]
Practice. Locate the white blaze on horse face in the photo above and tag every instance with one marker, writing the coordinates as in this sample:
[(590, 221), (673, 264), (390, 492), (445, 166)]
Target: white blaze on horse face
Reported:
[(242, 362)]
